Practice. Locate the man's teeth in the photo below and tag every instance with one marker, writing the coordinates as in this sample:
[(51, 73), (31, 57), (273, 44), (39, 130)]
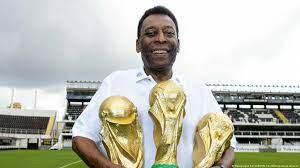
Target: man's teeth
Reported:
[(160, 52)]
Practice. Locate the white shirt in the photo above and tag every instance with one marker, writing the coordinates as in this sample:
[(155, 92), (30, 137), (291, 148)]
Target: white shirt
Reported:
[(136, 86)]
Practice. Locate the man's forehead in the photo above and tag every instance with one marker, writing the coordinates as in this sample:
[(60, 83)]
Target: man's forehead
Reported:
[(158, 20)]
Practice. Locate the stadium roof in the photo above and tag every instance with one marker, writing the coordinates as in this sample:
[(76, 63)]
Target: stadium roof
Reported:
[(83, 84), (28, 112), (255, 88)]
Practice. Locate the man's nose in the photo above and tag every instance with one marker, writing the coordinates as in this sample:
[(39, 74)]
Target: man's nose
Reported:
[(161, 37)]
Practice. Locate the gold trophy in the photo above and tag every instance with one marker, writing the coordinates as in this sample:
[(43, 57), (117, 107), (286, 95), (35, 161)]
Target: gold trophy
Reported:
[(213, 134), (167, 102), (121, 132)]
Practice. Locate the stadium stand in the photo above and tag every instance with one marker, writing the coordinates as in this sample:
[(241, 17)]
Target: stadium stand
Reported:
[(25, 129), (252, 115), (291, 116), (79, 94), (266, 117), (37, 125), (73, 111), (263, 115)]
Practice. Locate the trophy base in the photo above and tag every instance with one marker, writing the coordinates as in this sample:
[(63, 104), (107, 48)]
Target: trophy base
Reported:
[(164, 166)]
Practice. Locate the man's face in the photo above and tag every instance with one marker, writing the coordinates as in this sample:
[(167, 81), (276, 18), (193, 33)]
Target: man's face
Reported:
[(158, 42)]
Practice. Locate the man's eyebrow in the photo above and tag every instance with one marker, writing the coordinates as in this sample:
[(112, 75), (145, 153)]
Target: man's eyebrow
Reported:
[(150, 27), (169, 27), (153, 27)]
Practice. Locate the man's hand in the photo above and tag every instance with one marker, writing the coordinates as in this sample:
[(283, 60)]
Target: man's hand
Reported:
[(228, 158), (87, 150)]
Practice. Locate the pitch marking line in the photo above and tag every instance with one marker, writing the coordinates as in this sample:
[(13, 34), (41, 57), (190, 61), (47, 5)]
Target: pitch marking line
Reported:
[(70, 164)]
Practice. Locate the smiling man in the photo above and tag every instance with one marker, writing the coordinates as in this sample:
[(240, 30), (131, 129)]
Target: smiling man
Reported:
[(158, 43)]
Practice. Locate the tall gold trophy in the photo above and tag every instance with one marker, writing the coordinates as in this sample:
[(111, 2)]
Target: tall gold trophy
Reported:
[(121, 132), (213, 134), (167, 102)]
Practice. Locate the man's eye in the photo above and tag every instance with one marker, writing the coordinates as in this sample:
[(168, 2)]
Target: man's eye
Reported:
[(170, 34), (150, 34)]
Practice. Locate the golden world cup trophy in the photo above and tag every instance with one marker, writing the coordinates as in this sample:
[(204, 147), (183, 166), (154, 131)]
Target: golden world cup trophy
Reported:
[(213, 134), (121, 132), (167, 102)]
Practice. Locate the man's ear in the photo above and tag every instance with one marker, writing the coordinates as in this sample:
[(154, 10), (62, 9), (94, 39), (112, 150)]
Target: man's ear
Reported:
[(178, 48), (137, 46)]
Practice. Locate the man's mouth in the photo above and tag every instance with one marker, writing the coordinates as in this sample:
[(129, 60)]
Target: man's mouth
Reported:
[(160, 51)]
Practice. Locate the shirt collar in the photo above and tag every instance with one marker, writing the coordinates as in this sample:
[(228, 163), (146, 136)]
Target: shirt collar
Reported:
[(141, 75)]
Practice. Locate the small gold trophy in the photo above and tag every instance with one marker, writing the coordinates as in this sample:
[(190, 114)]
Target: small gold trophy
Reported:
[(121, 132), (167, 102), (213, 134)]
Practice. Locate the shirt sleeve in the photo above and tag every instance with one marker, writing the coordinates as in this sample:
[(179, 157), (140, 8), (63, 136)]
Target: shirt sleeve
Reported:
[(88, 124), (214, 107)]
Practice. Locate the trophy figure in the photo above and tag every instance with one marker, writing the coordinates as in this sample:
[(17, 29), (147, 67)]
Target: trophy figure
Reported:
[(121, 132), (167, 101), (213, 134)]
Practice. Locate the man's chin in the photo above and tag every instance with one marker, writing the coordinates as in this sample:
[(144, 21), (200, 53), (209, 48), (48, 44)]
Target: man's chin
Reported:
[(161, 68)]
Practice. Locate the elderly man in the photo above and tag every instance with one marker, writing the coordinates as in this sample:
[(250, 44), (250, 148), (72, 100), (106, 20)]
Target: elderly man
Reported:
[(158, 43)]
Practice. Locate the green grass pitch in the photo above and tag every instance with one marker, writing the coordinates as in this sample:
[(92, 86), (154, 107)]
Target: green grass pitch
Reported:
[(68, 159)]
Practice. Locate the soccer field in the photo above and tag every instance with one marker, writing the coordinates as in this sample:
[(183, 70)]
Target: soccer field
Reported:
[(68, 159)]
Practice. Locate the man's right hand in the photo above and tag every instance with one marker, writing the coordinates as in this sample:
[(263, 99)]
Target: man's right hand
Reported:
[(87, 150)]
